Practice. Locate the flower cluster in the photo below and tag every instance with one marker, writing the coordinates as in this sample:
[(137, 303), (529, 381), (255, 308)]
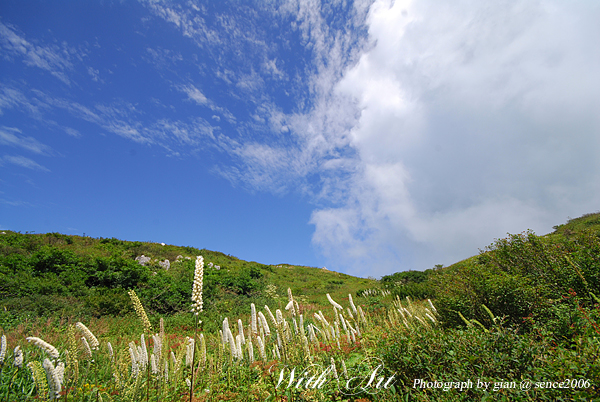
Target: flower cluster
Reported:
[(333, 303), (139, 309), (55, 376), (93, 341), (18, 353), (45, 346), (197, 287), (2, 348)]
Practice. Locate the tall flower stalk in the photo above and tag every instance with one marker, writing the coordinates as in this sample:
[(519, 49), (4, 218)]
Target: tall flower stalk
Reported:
[(196, 309), (139, 309)]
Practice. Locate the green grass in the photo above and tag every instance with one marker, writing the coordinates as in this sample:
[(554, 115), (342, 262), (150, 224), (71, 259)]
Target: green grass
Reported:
[(57, 275), (525, 312)]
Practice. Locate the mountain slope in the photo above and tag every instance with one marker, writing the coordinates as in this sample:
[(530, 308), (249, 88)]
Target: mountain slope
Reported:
[(54, 274), (523, 278)]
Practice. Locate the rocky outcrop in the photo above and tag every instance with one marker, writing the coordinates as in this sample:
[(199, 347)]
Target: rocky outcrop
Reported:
[(142, 260)]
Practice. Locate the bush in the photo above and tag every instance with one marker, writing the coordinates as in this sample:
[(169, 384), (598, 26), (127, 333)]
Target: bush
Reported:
[(500, 354), (108, 302), (522, 276), (414, 284), (115, 272)]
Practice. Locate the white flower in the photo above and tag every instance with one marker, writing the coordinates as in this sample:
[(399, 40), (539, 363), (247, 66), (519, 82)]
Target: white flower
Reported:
[(157, 345), (271, 315), (111, 353), (153, 365), (143, 352), (93, 341), (333, 369), (241, 331), (333, 303), (261, 348), (290, 305), (197, 287), (253, 326), (87, 347), (264, 323), (202, 349), (352, 304), (250, 351), (189, 352), (238, 345), (224, 331), (55, 375), (432, 307), (51, 350), (60, 372), (18, 357), (232, 345), (2, 348)]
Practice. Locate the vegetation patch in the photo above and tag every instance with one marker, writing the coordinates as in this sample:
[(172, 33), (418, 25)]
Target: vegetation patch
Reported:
[(82, 319)]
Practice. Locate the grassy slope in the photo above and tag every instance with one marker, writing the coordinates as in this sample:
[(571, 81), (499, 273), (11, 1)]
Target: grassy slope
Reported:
[(525, 274), (501, 352), (226, 290), (590, 222), (56, 274), (587, 222)]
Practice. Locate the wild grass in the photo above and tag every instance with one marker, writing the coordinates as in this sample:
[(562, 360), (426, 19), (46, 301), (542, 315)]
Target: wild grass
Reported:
[(293, 356), (259, 357), (520, 322)]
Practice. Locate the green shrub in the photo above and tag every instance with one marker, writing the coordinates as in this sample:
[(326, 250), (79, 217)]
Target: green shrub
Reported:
[(108, 302), (522, 276), (498, 354)]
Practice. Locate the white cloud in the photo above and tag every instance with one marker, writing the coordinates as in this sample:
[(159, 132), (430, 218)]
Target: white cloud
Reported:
[(455, 124), (22, 161), (94, 73), (163, 58), (194, 94), (49, 58), (72, 132), (476, 119), (12, 137), (12, 98), (270, 66)]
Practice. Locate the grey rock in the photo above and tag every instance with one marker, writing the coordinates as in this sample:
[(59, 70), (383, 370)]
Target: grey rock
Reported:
[(142, 259)]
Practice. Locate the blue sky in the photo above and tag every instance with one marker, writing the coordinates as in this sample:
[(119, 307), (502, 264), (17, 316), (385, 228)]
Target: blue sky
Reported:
[(370, 136)]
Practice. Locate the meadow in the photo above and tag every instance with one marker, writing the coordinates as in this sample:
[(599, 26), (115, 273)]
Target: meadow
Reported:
[(81, 320)]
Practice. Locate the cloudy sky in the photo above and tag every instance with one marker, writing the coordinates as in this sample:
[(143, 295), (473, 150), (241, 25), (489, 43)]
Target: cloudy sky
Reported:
[(370, 136)]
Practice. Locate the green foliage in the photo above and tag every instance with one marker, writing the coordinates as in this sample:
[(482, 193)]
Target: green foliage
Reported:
[(501, 356), (74, 276), (584, 222), (482, 301), (414, 284), (103, 302), (522, 276)]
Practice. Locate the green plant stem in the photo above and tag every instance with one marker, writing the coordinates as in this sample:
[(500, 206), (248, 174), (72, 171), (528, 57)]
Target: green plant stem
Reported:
[(10, 384), (194, 356), (147, 378)]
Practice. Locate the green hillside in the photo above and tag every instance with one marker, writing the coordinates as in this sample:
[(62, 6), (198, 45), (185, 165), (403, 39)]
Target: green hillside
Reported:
[(518, 322), (522, 277), (45, 275)]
